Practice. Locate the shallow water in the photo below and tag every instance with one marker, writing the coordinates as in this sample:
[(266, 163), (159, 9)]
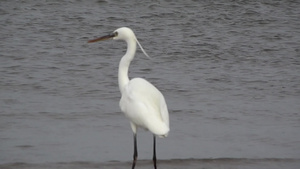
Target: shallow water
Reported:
[(230, 72)]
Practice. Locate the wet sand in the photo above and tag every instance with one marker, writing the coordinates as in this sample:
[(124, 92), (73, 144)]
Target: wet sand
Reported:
[(221, 163)]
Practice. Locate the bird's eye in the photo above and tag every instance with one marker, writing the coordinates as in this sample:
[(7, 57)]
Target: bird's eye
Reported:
[(116, 34)]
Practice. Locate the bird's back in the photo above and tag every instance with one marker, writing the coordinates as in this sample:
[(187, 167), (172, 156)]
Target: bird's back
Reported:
[(145, 106)]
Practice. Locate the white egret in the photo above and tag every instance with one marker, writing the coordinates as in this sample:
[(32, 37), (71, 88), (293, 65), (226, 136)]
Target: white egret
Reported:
[(141, 102)]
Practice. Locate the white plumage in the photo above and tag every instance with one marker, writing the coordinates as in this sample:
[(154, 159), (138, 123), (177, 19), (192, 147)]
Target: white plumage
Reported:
[(145, 106), (141, 102)]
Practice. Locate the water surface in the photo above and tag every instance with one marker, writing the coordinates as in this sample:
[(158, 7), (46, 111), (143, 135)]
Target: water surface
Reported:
[(230, 72)]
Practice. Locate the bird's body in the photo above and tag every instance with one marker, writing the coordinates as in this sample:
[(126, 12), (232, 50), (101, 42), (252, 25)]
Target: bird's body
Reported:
[(145, 106), (141, 102)]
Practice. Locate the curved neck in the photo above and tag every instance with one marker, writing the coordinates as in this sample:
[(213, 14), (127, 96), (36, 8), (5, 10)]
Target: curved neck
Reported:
[(124, 64)]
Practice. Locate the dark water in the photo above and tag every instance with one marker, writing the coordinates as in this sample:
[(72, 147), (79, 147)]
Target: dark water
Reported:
[(230, 72)]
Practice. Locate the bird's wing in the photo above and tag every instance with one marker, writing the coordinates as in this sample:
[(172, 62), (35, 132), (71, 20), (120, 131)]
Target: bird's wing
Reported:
[(164, 111), (141, 91)]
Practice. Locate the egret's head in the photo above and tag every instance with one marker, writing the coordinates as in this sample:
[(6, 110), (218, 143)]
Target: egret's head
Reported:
[(123, 33)]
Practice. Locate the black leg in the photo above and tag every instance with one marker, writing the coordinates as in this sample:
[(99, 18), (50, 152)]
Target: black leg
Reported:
[(154, 151), (135, 154)]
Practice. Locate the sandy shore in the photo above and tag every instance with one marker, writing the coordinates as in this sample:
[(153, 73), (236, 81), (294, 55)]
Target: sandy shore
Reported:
[(223, 163)]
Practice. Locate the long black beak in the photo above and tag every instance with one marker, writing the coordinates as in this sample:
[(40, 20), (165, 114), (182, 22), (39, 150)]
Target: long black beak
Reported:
[(106, 37)]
